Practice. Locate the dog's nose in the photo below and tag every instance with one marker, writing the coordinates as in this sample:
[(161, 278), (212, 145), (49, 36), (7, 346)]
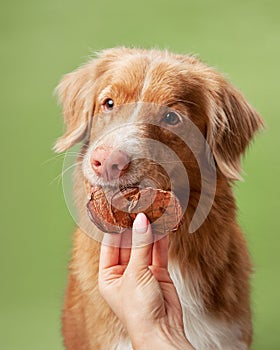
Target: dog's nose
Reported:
[(109, 163)]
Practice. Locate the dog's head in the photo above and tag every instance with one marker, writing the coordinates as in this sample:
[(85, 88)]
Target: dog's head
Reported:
[(127, 101)]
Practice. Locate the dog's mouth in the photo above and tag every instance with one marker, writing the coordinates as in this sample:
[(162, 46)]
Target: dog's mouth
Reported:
[(120, 185)]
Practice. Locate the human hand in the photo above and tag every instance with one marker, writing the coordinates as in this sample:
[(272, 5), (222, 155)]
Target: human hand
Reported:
[(137, 286)]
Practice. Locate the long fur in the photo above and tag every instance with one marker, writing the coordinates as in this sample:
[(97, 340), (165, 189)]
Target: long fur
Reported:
[(211, 267)]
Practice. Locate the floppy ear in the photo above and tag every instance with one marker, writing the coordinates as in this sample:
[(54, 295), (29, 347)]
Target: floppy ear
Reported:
[(76, 94), (233, 124)]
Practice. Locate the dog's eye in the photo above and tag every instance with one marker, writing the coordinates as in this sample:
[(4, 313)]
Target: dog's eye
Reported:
[(108, 104), (171, 118)]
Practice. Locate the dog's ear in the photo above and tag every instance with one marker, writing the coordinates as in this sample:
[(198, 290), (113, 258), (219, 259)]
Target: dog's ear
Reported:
[(233, 123), (76, 95)]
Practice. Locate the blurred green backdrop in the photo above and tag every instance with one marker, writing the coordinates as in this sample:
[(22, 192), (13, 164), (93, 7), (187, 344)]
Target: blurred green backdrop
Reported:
[(40, 41)]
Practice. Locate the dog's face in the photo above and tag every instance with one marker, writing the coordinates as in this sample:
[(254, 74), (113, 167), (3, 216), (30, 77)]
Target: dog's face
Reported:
[(127, 102)]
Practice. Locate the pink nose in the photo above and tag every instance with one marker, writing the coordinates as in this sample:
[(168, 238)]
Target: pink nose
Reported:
[(109, 163)]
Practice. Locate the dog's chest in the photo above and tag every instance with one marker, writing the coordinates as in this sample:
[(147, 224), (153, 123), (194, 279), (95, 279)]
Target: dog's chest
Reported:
[(203, 331)]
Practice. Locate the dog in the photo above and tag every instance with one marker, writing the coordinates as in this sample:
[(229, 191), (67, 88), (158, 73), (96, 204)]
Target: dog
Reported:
[(156, 95)]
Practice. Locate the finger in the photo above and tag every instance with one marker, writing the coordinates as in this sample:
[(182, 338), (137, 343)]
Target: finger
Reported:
[(142, 240), (124, 256), (160, 252), (109, 254), (125, 247)]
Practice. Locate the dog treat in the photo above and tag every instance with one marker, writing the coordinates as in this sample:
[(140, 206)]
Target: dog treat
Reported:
[(114, 212)]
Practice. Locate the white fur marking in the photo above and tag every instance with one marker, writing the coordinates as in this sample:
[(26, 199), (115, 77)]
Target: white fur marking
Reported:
[(135, 113), (203, 331), (124, 344)]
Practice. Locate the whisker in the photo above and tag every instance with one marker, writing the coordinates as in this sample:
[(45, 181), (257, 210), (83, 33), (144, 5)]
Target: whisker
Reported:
[(62, 155), (53, 158), (60, 176)]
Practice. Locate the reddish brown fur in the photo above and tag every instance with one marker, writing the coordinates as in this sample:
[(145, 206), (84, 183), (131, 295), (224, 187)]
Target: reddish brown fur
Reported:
[(215, 258)]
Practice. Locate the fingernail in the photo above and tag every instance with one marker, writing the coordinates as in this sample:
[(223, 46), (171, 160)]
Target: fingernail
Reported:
[(141, 223)]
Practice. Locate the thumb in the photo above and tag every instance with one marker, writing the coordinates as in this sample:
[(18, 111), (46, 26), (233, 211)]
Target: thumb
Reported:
[(142, 240)]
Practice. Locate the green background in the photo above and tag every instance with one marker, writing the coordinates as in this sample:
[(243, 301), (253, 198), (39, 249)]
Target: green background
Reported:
[(42, 40)]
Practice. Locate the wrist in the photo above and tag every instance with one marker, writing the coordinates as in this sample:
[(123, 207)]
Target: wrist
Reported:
[(159, 339)]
